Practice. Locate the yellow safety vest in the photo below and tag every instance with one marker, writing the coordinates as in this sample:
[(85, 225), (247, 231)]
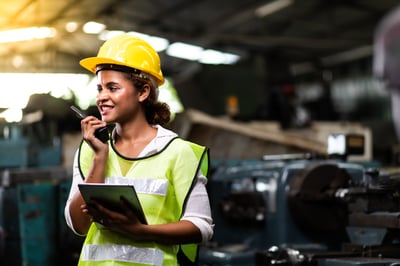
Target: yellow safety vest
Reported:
[(163, 182)]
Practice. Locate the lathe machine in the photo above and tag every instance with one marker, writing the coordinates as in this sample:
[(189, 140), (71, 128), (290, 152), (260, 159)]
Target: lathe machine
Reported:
[(305, 211)]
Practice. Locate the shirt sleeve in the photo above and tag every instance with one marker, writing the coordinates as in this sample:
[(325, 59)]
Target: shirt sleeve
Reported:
[(198, 209), (76, 179)]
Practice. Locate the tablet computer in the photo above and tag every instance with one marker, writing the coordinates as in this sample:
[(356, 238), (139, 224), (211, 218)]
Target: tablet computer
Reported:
[(110, 196)]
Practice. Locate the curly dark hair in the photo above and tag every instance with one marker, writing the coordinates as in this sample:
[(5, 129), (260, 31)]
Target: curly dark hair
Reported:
[(156, 112)]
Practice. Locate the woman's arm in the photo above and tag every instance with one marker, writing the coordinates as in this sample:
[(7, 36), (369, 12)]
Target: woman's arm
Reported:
[(195, 226), (75, 208), (78, 220), (198, 210)]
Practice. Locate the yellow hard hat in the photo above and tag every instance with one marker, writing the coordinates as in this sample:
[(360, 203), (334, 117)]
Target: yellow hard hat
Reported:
[(127, 50)]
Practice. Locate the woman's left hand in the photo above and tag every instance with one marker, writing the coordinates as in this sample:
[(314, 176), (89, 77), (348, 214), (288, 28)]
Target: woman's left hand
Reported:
[(124, 221)]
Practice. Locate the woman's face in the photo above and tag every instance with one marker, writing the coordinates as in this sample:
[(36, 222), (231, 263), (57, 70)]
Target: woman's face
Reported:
[(117, 98)]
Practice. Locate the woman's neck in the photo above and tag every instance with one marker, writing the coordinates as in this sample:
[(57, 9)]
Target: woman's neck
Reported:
[(131, 140), (135, 132)]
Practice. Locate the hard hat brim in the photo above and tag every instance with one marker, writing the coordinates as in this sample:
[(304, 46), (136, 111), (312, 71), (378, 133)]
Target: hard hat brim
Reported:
[(90, 64)]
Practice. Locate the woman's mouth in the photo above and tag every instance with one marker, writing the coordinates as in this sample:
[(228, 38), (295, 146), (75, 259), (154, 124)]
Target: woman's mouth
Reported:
[(104, 109)]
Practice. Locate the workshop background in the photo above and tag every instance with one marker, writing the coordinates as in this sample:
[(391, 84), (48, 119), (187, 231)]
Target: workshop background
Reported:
[(305, 154)]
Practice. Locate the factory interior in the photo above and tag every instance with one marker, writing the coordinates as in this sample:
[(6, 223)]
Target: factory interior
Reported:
[(296, 100)]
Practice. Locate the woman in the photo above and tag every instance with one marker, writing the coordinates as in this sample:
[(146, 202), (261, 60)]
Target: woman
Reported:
[(169, 174)]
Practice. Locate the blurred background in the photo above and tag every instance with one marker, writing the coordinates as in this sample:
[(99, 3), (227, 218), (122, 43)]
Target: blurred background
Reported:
[(283, 92)]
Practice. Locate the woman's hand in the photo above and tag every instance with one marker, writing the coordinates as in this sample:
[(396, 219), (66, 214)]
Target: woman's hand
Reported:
[(127, 224), (89, 125), (123, 221)]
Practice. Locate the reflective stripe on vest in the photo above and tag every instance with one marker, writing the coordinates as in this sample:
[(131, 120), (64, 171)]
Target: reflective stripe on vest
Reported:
[(142, 185), (126, 253)]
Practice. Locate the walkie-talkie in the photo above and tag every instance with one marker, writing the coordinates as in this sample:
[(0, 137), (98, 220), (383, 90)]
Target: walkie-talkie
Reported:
[(100, 133)]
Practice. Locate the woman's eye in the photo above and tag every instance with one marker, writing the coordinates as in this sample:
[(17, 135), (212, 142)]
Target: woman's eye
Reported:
[(113, 88)]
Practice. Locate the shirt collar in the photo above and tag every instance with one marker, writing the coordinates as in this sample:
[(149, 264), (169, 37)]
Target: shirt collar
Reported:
[(163, 137)]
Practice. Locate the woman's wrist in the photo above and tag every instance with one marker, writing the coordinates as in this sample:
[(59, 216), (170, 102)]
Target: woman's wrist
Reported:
[(97, 170)]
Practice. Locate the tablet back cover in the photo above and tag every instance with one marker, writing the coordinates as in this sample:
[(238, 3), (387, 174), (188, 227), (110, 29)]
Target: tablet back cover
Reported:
[(110, 195)]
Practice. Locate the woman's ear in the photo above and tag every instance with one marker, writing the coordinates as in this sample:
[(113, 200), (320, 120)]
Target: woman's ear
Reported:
[(144, 92)]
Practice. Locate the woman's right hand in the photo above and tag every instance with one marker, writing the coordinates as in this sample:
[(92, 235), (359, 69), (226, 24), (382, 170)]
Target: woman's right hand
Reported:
[(89, 125)]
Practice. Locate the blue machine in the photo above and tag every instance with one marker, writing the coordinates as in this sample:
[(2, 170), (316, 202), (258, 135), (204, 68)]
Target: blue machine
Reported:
[(21, 146), (32, 225), (318, 212)]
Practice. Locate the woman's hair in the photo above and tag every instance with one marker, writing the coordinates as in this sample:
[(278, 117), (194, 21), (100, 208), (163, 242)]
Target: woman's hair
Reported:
[(156, 112)]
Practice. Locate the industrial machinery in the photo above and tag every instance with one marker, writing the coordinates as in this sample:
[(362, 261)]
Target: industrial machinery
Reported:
[(304, 211), (34, 187), (32, 225)]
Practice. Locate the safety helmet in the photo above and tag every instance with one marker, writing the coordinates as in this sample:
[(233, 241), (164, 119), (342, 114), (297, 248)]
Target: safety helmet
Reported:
[(129, 51)]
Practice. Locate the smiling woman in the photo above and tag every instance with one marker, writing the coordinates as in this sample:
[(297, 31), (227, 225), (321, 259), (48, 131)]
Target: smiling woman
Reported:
[(169, 173)]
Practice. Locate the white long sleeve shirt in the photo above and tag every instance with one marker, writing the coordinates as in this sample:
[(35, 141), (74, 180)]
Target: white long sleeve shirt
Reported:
[(197, 208)]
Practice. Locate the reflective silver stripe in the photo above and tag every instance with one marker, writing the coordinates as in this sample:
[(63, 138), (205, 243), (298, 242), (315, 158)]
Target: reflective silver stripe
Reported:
[(142, 185), (126, 253)]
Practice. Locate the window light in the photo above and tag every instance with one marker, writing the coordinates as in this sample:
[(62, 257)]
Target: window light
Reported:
[(26, 34)]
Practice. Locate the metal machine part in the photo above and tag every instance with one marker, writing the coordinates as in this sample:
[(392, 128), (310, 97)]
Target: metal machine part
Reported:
[(244, 208), (355, 257), (326, 201), (312, 202), (280, 257)]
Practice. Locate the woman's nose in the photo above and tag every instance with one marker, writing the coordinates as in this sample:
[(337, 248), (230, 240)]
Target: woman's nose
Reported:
[(102, 95)]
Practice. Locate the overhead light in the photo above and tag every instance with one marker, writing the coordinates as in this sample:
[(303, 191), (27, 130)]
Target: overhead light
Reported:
[(197, 53), (347, 56), (108, 34), (272, 7), (71, 26), (230, 59), (93, 27), (158, 43), (139, 34), (211, 57), (216, 57), (26, 34), (17, 61), (185, 51)]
